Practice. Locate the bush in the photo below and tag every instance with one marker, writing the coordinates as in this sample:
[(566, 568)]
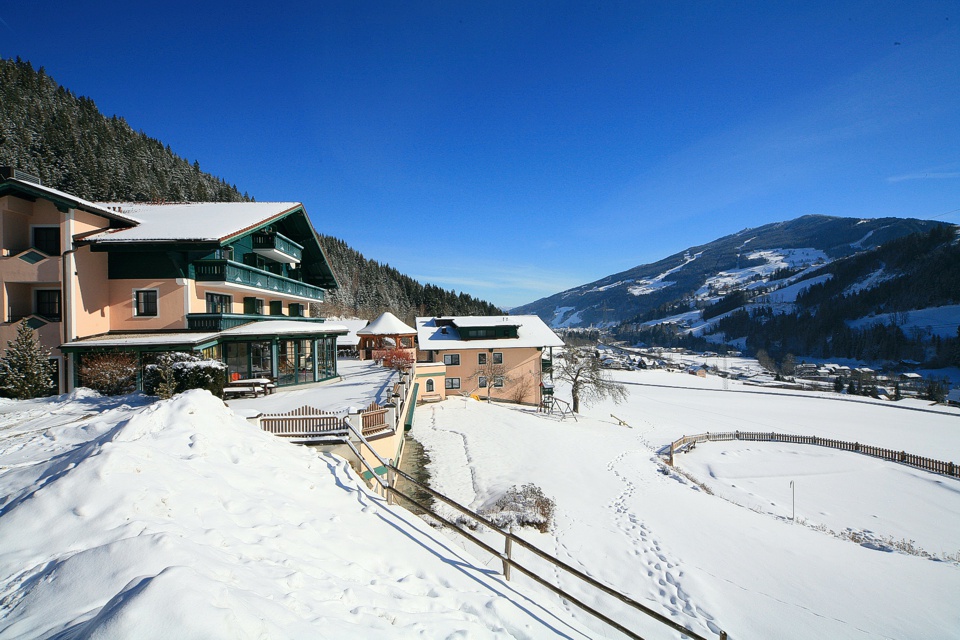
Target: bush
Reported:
[(110, 373), (524, 506), (176, 372)]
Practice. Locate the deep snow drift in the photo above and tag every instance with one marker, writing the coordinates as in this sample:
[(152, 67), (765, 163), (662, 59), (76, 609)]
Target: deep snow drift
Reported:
[(181, 520)]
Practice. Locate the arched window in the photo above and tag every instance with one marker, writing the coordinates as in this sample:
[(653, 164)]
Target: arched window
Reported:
[(430, 385)]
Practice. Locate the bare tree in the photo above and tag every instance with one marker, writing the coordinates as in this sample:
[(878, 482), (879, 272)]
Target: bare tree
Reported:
[(588, 382), (491, 374)]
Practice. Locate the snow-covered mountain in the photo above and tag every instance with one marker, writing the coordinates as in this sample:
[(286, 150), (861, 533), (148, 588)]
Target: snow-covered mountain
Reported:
[(772, 257)]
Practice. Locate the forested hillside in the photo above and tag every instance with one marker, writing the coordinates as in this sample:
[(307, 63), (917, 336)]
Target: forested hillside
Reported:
[(64, 140), (857, 307), (47, 131)]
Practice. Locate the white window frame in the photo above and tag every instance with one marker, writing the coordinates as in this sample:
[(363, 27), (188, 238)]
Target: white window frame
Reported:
[(497, 355), (36, 307), (451, 383), (498, 381), (430, 385), (482, 382), (481, 359), (136, 308)]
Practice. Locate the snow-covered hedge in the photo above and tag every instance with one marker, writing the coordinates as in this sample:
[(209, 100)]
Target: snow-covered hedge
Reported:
[(176, 372), (521, 506)]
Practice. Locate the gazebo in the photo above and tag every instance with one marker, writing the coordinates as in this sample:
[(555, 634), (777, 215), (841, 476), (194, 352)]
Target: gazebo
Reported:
[(384, 334)]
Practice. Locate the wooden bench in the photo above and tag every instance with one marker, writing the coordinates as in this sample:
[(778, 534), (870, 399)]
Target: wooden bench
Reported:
[(251, 386)]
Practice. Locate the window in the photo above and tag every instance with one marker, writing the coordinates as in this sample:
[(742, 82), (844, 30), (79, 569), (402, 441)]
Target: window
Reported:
[(452, 360), (481, 359), (497, 358), (219, 303), (296, 310), (483, 382), (452, 383), (253, 306), (146, 302), (430, 386), (498, 381), (48, 304), (276, 308), (47, 239)]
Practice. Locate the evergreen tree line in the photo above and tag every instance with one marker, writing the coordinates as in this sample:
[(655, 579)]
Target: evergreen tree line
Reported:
[(47, 131), (64, 140), (368, 288)]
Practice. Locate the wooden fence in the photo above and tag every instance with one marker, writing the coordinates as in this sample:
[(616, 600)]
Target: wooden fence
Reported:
[(927, 464), (306, 422)]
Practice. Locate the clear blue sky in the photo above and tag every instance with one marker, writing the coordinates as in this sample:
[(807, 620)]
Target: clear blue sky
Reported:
[(515, 149)]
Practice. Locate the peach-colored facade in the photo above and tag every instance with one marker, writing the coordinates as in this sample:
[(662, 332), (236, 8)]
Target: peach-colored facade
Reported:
[(520, 368), (430, 376), (80, 299)]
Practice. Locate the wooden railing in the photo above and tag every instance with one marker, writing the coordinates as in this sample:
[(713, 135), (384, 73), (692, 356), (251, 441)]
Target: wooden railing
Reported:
[(392, 494), (927, 464), (304, 422)]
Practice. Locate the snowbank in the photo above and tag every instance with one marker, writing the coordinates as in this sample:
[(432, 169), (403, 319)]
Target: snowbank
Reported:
[(181, 520)]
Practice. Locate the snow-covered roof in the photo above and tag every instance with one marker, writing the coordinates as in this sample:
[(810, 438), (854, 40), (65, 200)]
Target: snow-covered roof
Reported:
[(143, 339), (350, 339), (278, 327), (62, 196), (196, 221), (469, 322), (387, 325), (258, 328), (531, 332)]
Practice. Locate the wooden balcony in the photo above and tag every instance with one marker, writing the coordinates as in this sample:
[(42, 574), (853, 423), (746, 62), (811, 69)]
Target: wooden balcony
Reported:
[(228, 272)]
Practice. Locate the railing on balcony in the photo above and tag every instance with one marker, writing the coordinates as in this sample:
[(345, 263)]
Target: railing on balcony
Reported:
[(224, 321), (272, 244), (235, 273)]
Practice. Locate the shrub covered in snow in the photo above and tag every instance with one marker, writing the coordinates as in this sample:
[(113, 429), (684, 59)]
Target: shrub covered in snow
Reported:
[(521, 506), (176, 372), (110, 373)]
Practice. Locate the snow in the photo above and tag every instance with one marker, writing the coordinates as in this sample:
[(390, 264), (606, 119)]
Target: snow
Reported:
[(179, 519), (732, 560), (532, 332), (387, 324), (645, 287), (774, 259), (789, 293), (869, 282), (285, 327), (212, 221), (571, 320), (939, 321)]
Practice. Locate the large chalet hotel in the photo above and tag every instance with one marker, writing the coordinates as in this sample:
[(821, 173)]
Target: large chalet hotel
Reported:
[(233, 281)]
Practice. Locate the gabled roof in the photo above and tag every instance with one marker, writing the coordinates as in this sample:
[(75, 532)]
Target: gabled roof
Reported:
[(63, 200), (531, 332), (387, 325), (193, 221)]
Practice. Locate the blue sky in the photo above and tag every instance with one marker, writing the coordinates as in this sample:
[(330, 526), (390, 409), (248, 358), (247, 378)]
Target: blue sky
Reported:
[(516, 149)]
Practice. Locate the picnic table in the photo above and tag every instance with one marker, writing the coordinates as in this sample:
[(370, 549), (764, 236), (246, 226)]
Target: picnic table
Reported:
[(250, 386)]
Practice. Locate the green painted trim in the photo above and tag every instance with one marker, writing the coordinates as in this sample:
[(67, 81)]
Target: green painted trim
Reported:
[(429, 375), (408, 422), (381, 470)]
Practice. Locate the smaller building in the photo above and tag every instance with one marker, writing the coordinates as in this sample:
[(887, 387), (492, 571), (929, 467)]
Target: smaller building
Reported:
[(386, 333), (500, 357)]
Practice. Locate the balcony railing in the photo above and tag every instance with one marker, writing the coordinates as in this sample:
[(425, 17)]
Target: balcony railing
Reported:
[(224, 321), (278, 247), (231, 272)]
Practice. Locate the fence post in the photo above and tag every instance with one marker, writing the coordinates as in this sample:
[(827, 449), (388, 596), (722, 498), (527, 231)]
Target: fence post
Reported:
[(508, 554), (391, 482), (671, 452)]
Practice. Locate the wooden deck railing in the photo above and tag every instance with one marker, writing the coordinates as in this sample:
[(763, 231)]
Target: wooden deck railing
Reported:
[(927, 464)]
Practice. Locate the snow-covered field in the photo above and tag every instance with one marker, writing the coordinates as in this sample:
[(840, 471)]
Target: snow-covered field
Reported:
[(178, 519), (129, 518), (732, 560)]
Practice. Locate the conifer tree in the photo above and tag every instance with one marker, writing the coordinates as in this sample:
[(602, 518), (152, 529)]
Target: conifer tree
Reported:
[(25, 368)]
